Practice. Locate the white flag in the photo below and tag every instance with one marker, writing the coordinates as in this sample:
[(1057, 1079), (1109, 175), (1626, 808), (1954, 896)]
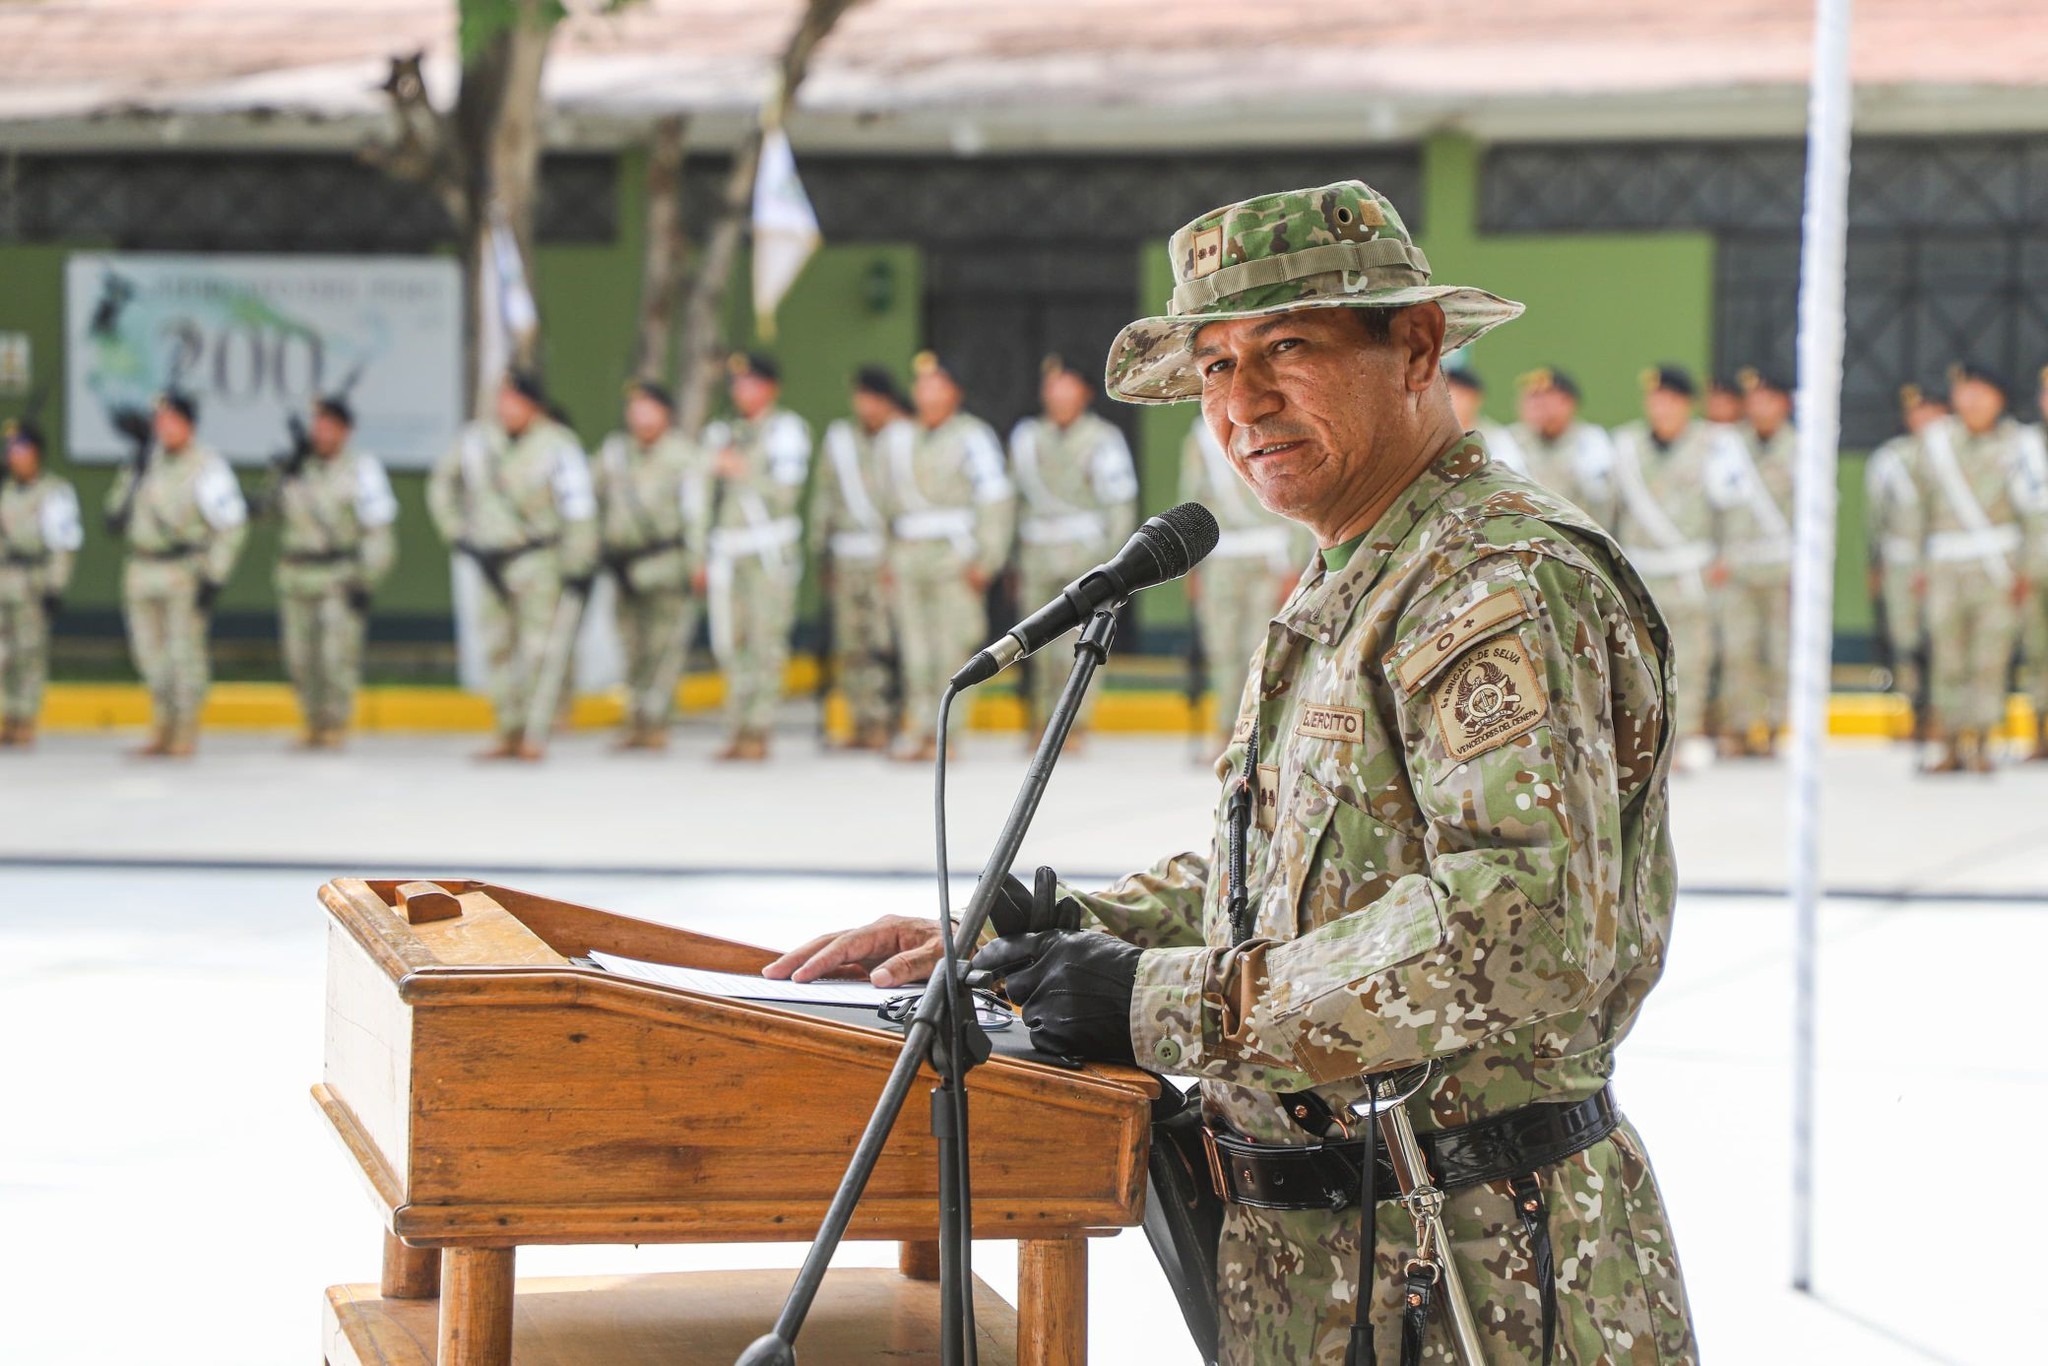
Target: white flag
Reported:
[(785, 229), (506, 312)]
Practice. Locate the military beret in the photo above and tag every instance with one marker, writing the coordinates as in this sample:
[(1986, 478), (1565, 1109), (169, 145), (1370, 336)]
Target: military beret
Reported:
[(1056, 364), (179, 402), (1464, 378), (1547, 377), (651, 388), (1983, 374), (928, 362), (1911, 396), (336, 407), (755, 363), (874, 379), (1752, 379), (1726, 384), (24, 432), (527, 385), (1671, 378)]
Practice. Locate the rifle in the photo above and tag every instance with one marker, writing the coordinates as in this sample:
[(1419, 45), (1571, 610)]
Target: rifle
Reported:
[(288, 463), (134, 424)]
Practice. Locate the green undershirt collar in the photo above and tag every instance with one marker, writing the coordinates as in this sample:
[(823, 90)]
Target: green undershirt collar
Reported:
[(1337, 556)]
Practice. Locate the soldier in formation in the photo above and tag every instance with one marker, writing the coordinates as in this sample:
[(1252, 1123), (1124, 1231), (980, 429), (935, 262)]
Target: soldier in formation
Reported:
[(760, 460), (1568, 456), (514, 497), (182, 514), (1077, 492), (849, 539), (2034, 613), (951, 512), (1468, 395), (1753, 605), (336, 542), (653, 510), (40, 533), (1891, 525)]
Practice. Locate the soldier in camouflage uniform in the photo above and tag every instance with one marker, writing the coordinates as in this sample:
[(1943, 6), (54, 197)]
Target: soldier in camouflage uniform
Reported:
[(1077, 493), (761, 458), (1454, 769), (2034, 629), (39, 539), (653, 502), (1753, 608), (1252, 570), (1571, 458), (1891, 512), (1982, 494), (514, 496), (1675, 476), (184, 519), (850, 539), (337, 543), (951, 511)]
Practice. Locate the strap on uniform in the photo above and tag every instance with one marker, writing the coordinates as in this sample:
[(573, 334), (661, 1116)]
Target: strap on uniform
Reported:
[(1243, 799), (1359, 1352), (1415, 1300), (1529, 1208)]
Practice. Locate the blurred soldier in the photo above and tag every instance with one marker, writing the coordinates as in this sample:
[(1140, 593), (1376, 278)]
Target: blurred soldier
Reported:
[(1892, 530), (1753, 608), (2034, 633), (184, 519), (39, 539), (1253, 569), (1468, 397), (336, 543), (514, 495), (762, 457), (1981, 497), (850, 540), (1560, 452), (653, 503), (951, 512), (1675, 475), (1077, 496), (1725, 402)]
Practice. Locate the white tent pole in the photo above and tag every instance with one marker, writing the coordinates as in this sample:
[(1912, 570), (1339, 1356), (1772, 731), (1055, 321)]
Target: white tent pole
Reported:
[(1822, 263)]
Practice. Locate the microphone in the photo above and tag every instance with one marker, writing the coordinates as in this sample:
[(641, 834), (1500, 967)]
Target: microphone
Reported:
[(1165, 547)]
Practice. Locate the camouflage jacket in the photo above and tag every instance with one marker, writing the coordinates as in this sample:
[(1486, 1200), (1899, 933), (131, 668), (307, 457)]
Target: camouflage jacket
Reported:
[(1076, 485), (1461, 852), (39, 537), (948, 484), (494, 491), (1981, 500), (756, 512), (652, 496), (184, 502), (1577, 465), (338, 524), (846, 521)]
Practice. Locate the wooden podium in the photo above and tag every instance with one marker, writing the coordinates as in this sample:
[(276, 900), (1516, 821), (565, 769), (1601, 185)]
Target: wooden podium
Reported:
[(492, 1093)]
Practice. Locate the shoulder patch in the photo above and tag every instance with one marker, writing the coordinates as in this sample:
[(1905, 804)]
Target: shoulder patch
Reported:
[(1488, 614), (1489, 696)]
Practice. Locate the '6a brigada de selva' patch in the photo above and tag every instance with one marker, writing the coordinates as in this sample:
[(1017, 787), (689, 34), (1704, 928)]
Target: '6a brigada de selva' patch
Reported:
[(1487, 697)]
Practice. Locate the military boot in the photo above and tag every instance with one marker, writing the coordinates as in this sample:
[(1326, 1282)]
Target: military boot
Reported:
[(1978, 752), (158, 744), (746, 746), (2039, 754), (507, 747), (181, 741), (25, 734), (7, 740)]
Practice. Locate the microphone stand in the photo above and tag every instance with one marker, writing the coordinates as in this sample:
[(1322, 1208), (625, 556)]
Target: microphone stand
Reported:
[(778, 1347)]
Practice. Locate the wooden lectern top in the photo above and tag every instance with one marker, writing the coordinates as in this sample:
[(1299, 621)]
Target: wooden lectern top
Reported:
[(493, 1093)]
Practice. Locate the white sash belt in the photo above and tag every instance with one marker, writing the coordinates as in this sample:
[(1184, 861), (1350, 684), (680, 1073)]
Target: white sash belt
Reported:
[(762, 538), (1977, 543), (1689, 558), (856, 545), (1064, 530)]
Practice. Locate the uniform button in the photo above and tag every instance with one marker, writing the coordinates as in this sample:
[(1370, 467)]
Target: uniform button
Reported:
[(1167, 1051)]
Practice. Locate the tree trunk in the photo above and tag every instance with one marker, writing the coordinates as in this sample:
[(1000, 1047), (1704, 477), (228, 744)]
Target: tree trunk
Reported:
[(663, 253), (512, 173), (697, 368)]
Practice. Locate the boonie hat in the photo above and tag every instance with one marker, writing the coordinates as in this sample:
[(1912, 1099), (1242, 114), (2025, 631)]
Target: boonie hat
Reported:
[(1334, 246)]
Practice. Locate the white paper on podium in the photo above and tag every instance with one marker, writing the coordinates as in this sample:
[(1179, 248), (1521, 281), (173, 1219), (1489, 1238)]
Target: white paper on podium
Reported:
[(746, 987)]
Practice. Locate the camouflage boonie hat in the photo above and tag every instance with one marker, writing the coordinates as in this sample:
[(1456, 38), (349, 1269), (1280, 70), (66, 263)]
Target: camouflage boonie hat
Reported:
[(1338, 246)]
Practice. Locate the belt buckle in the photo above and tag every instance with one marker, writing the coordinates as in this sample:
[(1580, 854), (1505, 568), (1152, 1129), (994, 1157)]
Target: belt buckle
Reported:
[(1216, 1173)]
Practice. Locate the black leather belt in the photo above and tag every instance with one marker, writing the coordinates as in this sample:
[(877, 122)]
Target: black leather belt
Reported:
[(641, 552), (175, 552), (318, 557), (21, 561), (1326, 1176)]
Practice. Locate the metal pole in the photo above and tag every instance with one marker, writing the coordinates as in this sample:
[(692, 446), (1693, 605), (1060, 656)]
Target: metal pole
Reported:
[(1822, 261)]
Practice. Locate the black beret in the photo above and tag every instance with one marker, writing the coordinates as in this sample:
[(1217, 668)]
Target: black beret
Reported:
[(651, 388), (1983, 374), (179, 402), (1465, 379), (930, 362), (874, 379), (527, 385), (336, 407), (1056, 364), (755, 363), (25, 432), (1751, 378), (1548, 377), (1672, 378)]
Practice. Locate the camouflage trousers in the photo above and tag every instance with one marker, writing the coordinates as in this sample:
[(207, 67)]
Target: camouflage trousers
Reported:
[(1972, 626), (1754, 617), (323, 655), (1288, 1286), (940, 621), (1042, 571), (1904, 634), (753, 606), (1690, 617), (167, 640), (24, 646), (655, 626), (1237, 600), (515, 626), (862, 642)]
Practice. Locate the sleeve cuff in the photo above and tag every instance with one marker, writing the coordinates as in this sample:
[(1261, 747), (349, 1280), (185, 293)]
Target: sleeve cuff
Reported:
[(1167, 1025)]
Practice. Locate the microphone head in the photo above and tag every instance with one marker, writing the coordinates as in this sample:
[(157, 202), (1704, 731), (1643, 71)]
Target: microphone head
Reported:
[(1183, 537)]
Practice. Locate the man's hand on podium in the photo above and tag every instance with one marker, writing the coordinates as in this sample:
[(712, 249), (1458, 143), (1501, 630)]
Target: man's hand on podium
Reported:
[(894, 951)]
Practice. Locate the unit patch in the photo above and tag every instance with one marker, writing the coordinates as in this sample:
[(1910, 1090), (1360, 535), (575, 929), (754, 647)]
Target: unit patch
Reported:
[(1487, 697), (1320, 721), (1489, 613)]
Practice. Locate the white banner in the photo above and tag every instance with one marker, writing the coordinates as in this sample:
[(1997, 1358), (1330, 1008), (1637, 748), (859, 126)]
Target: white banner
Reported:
[(256, 339)]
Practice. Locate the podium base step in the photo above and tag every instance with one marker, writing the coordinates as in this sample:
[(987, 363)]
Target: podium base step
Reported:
[(680, 1319)]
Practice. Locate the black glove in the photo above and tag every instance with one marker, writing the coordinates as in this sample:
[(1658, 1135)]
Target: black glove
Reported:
[(53, 606), (358, 599), (580, 585), (1024, 910), (209, 593), (1074, 988)]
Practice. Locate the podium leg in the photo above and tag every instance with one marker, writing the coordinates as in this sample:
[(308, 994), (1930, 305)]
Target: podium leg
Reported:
[(476, 1307), (918, 1261), (1052, 1302), (410, 1273)]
